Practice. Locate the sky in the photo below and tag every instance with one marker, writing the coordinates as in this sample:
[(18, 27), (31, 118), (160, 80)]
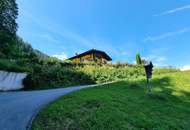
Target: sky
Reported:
[(157, 29)]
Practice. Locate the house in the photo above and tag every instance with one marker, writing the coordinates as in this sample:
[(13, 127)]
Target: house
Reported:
[(92, 55)]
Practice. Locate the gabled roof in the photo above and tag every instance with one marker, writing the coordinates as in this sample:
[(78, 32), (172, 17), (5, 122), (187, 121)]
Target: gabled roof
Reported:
[(92, 51)]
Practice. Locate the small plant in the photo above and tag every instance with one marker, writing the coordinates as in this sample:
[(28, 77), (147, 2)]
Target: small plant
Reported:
[(159, 71), (138, 59)]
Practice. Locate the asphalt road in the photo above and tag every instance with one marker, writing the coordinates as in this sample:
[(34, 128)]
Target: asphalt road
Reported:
[(17, 109)]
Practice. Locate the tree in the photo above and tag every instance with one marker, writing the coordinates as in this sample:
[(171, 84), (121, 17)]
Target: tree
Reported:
[(138, 59), (8, 26), (8, 16)]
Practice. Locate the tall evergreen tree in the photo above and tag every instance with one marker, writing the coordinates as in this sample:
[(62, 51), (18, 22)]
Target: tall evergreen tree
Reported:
[(138, 59), (8, 27), (8, 15)]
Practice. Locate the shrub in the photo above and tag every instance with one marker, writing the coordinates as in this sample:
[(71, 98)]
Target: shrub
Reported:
[(138, 59), (53, 76), (111, 73), (61, 75), (11, 65), (159, 71)]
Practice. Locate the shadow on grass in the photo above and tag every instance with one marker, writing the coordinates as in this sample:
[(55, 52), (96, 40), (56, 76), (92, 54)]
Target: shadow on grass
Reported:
[(164, 89), (168, 99), (122, 103)]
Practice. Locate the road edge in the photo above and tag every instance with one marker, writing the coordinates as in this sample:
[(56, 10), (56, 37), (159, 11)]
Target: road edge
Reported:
[(29, 125)]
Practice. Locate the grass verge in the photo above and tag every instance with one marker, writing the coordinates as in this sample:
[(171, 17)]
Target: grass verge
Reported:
[(123, 106)]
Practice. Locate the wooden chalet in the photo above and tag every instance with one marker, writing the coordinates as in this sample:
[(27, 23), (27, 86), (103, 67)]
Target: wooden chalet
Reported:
[(91, 56)]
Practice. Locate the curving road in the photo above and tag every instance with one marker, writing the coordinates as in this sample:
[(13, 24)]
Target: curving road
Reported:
[(17, 109)]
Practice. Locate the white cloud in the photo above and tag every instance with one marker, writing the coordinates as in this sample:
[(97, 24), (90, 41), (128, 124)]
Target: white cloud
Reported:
[(134, 62), (184, 68), (157, 60), (166, 35), (61, 56), (174, 10)]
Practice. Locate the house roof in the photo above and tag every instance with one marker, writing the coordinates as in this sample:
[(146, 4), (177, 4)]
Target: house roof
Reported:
[(92, 51)]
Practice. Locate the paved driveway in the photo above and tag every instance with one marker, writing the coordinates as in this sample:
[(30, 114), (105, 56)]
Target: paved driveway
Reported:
[(17, 109)]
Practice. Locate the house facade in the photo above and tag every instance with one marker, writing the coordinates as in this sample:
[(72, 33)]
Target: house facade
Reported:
[(92, 56)]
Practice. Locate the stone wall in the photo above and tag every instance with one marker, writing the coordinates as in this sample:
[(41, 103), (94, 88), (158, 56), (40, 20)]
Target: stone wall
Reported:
[(11, 80)]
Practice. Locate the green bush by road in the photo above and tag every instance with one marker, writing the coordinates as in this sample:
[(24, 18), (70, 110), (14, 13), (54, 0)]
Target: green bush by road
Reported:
[(45, 73), (63, 75)]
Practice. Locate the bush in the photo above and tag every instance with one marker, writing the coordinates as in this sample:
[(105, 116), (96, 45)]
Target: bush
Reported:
[(159, 71), (138, 59), (53, 76), (111, 72), (61, 75), (13, 66)]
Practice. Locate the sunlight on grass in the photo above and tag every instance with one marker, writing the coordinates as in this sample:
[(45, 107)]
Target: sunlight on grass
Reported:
[(124, 105)]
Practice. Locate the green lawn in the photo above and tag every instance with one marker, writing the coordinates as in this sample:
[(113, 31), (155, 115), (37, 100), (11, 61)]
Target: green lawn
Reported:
[(123, 106)]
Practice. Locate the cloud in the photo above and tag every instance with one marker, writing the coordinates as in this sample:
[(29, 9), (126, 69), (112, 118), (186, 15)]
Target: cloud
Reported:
[(61, 56), (157, 60), (185, 68), (167, 35), (174, 10)]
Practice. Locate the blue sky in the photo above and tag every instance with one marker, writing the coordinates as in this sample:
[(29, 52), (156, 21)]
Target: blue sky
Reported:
[(158, 29)]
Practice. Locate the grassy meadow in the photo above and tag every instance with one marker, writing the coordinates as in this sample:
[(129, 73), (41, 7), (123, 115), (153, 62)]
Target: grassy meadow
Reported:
[(124, 105)]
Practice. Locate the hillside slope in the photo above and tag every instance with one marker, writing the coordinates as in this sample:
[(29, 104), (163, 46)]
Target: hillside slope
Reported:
[(17, 55), (123, 106)]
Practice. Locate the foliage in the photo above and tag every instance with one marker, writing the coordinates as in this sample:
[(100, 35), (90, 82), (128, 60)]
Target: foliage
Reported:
[(159, 71), (17, 56), (51, 73), (8, 15), (8, 26), (5, 43), (112, 73), (57, 74), (13, 66), (122, 106), (15, 48), (11, 46), (138, 59), (54, 76)]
